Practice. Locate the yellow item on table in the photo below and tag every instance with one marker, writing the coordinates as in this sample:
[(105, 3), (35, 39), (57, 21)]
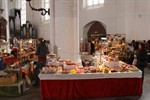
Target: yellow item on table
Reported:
[(73, 71)]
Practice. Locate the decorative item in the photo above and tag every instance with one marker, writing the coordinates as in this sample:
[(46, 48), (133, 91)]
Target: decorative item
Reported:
[(42, 10)]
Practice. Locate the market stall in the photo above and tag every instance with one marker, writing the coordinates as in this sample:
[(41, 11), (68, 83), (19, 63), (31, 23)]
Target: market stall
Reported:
[(90, 85), (17, 76), (13, 80), (89, 82), (9, 84)]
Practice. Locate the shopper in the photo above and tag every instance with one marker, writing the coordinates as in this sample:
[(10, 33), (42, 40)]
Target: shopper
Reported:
[(2, 62), (14, 51), (141, 58), (41, 52), (92, 47)]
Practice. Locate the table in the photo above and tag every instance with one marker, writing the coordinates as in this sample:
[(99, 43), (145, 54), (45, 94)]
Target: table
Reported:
[(14, 89), (17, 88), (94, 85)]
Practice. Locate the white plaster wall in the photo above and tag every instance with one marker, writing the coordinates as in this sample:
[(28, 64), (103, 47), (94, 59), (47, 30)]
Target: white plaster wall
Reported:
[(65, 26), (14, 4), (120, 14), (137, 19), (62, 28), (46, 29), (43, 28), (130, 17), (29, 12), (105, 14)]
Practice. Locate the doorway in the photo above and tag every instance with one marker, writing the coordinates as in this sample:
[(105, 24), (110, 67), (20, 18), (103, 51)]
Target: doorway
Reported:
[(92, 31)]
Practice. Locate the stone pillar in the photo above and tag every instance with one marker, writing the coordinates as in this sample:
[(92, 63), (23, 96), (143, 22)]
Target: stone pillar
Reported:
[(5, 14)]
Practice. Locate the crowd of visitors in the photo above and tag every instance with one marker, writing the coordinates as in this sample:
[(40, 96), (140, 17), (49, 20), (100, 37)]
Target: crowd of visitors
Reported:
[(139, 54)]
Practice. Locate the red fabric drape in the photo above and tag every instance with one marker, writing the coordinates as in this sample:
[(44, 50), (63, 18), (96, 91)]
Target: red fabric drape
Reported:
[(11, 60), (92, 88)]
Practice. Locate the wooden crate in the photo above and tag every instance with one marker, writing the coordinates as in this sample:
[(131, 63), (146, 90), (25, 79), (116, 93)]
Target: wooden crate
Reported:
[(8, 79)]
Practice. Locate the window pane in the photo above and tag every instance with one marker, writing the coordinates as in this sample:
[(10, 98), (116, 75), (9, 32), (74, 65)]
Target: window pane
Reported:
[(23, 17), (47, 17), (47, 0), (47, 5), (23, 21), (23, 2), (23, 11), (23, 7), (96, 2), (101, 1), (89, 2)]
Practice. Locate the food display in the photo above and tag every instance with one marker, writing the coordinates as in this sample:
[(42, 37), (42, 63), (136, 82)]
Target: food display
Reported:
[(60, 66), (111, 52), (107, 65), (114, 46), (3, 46), (109, 61)]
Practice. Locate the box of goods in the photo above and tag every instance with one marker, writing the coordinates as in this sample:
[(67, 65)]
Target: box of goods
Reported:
[(35, 58), (70, 65), (8, 79), (110, 62)]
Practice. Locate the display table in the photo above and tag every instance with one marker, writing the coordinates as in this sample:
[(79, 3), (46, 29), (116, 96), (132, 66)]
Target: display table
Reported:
[(92, 85), (11, 89)]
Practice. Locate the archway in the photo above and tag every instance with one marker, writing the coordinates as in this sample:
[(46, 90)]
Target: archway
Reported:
[(93, 28)]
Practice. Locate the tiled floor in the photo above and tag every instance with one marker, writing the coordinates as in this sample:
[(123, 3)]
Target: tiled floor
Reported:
[(34, 93)]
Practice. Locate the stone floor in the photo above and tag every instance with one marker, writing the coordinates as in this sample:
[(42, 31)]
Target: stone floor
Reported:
[(34, 93)]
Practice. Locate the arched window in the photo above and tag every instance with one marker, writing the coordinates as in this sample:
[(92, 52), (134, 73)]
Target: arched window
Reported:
[(94, 2), (46, 5), (23, 12)]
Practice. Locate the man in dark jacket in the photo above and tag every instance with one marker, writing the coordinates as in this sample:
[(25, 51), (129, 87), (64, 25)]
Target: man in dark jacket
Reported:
[(41, 52), (141, 58)]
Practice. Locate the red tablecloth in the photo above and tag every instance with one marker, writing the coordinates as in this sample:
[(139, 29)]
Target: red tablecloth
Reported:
[(10, 60), (91, 88)]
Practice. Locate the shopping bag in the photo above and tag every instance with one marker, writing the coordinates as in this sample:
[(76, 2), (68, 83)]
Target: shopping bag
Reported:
[(134, 61)]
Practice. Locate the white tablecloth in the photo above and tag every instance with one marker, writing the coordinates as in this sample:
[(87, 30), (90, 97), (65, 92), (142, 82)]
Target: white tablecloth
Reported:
[(137, 74)]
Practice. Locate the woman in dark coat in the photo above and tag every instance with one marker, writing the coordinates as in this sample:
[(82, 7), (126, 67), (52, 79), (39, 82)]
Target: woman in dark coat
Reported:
[(141, 58), (41, 52), (92, 47)]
